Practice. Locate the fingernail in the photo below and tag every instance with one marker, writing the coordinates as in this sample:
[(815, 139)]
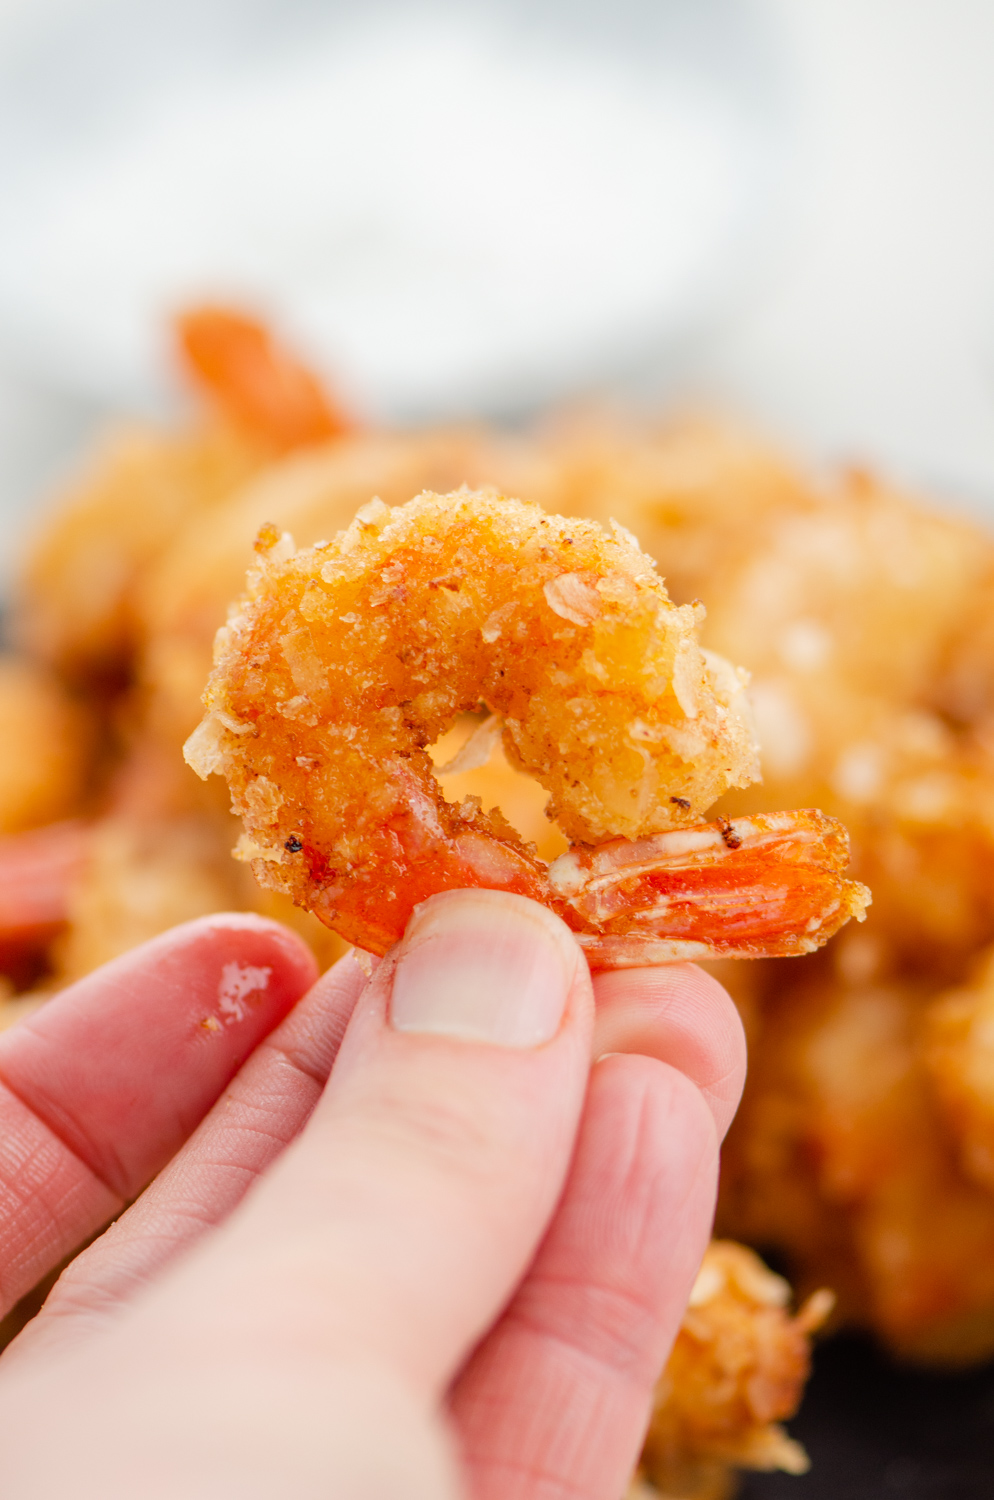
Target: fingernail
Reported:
[(484, 966)]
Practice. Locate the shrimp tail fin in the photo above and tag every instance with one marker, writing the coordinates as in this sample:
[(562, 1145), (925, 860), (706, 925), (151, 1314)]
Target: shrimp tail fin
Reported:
[(257, 383), (765, 886)]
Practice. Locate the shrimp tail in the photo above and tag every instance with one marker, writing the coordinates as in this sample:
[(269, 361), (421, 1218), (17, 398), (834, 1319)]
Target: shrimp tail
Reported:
[(765, 886), (258, 384)]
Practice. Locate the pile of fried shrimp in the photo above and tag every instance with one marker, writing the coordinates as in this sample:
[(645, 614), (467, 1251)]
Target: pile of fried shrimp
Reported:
[(584, 738)]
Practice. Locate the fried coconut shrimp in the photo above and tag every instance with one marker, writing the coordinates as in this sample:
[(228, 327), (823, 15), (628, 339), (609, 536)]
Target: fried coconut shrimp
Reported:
[(347, 660), (737, 1369)]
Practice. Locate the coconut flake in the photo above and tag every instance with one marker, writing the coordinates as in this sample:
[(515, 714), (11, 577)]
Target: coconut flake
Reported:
[(711, 1280), (237, 726), (477, 750), (281, 551), (263, 799), (687, 676), (573, 599), (248, 849), (373, 515), (205, 750)]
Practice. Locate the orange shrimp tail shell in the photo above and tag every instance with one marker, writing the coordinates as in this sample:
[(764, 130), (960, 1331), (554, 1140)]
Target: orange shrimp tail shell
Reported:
[(258, 385), (770, 885)]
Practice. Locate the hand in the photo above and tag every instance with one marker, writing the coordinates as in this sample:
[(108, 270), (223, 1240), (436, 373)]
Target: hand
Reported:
[(403, 1241)]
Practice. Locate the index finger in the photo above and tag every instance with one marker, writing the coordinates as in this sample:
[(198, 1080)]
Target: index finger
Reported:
[(100, 1088), (680, 1015)]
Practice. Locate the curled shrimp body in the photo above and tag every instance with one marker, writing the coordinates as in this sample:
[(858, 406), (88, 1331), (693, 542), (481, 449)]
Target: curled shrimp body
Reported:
[(348, 659)]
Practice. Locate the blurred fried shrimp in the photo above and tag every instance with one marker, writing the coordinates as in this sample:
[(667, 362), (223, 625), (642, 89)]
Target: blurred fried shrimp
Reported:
[(85, 570), (738, 1368), (159, 854), (840, 1157), (860, 588), (959, 1053), (140, 877), (37, 874), (76, 601), (696, 492), (48, 739)]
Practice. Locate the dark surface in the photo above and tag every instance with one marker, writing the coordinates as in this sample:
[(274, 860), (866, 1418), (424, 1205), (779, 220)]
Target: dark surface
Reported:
[(876, 1431)]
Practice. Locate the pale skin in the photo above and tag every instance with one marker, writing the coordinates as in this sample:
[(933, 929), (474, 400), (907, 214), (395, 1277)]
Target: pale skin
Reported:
[(423, 1236)]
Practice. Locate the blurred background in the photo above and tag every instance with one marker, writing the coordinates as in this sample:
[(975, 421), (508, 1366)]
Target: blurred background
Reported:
[(779, 207)]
